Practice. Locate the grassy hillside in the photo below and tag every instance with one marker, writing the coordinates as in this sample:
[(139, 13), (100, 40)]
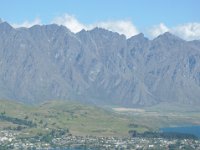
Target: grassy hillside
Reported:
[(78, 118), (81, 119)]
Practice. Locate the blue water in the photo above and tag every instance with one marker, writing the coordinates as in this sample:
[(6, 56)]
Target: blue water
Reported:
[(195, 130)]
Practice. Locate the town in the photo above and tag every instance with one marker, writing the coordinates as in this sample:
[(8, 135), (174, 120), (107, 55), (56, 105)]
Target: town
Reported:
[(60, 139)]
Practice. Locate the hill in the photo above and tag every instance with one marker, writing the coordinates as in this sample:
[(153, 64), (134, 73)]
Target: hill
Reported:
[(77, 118)]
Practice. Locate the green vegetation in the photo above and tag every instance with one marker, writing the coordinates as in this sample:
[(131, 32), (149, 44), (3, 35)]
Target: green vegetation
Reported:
[(78, 119), (18, 121), (71, 124), (82, 120), (167, 135)]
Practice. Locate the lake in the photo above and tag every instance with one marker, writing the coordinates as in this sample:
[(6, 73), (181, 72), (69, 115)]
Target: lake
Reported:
[(195, 130)]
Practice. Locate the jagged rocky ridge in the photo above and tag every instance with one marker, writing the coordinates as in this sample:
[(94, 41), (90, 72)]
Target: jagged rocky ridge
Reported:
[(98, 66)]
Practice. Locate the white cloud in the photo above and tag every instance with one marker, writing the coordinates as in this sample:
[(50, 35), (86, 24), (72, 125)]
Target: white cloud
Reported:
[(27, 24), (121, 26), (189, 31), (70, 22), (158, 29)]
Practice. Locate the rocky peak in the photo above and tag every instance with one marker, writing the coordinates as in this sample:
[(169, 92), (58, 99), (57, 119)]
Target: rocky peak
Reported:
[(167, 36), (5, 27)]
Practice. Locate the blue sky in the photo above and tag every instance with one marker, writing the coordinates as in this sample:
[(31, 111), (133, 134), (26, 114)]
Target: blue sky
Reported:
[(145, 15)]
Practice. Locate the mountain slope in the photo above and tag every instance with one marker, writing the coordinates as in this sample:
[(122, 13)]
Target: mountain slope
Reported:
[(97, 66)]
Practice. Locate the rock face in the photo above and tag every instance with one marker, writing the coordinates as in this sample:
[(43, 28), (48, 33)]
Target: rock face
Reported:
[(98, 66)]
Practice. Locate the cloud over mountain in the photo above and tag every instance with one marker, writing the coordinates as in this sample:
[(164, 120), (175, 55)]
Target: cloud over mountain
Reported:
[(27, 23), (125, 27), (158, 30), (70, 22), (188, 31)]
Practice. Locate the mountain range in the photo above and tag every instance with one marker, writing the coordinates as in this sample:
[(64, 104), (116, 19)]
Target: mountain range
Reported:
[(50, 62)]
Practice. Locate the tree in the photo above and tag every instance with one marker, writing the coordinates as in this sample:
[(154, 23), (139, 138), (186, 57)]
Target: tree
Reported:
[(3, 113)]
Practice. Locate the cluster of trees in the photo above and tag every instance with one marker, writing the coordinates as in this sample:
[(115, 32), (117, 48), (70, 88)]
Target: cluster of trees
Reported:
[(47, 137), (18, 121), (167, 135), (18, 128)]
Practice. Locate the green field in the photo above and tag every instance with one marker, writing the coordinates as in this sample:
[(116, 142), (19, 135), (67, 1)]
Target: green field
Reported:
[(81, 119), (78, 118)]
